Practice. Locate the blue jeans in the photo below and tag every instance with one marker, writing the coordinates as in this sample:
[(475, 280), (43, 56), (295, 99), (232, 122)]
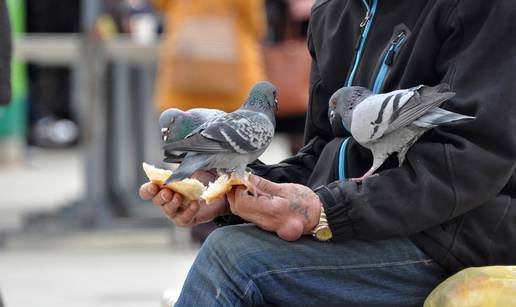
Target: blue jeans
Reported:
[(244, 266)]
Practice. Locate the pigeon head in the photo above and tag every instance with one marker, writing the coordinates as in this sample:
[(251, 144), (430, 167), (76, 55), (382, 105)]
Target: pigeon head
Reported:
[(262, 98), (176, 124), (341, 105)]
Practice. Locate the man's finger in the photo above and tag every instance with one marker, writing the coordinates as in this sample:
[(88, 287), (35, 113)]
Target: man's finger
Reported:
[(148, 190), (234, 197), (260, 211), (246, 205), (231, 196), (170, 208), (265, 186), (186, 216), (163, 196)]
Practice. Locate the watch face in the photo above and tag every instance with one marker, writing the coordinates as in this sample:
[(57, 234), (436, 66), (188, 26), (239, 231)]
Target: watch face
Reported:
[(323, 234)]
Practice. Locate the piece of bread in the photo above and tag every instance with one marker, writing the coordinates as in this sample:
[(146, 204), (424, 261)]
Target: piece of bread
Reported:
[(223, 185), (191, 189)]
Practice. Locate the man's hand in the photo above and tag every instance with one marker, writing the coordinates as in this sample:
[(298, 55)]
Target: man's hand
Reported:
[(291, 211), (184, 215)]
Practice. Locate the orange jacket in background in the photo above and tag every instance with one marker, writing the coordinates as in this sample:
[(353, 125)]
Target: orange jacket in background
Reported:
[(250, 23)]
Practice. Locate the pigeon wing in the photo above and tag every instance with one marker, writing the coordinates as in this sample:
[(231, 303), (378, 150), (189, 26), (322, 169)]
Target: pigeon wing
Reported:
[(244, 131), (198, 143), (422, 101), (241, 131)]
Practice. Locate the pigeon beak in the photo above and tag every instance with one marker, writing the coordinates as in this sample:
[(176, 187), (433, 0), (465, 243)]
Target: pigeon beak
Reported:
[(165, 133), (276, 108)]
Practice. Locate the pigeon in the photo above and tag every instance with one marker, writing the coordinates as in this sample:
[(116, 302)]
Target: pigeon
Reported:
[(230, 142), (177, 124), (390, 122)]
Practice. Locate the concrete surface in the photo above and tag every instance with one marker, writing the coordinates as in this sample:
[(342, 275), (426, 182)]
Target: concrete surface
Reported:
[(121, 266), (84, 275)]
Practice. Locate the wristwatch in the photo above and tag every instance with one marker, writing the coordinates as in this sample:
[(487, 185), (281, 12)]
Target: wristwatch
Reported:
[(322, 231)]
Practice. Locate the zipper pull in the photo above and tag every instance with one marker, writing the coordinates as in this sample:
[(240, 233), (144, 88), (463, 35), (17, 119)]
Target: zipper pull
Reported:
[(366, 19), (389, 58), (362, 25), (398, 38)]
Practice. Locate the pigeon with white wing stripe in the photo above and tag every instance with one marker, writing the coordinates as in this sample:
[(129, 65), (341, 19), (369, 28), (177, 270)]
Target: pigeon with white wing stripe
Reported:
[(390, 122), (177, 124), (230, 142)]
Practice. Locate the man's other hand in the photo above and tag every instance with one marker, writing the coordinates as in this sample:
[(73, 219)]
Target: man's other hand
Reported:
[(181, 213), (291, 210)]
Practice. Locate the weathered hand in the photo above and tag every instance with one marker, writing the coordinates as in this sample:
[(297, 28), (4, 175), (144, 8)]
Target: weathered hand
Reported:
[(184, 215), (291, 211)]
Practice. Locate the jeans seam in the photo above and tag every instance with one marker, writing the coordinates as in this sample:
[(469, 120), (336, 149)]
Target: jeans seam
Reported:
[(247, 287), (346, 267)]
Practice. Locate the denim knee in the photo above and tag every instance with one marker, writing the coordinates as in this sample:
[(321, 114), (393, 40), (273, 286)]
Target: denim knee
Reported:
[(228, 242)]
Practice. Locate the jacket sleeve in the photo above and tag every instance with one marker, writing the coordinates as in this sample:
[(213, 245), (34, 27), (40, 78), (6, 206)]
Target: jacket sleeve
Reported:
[(455, 168), (296, 169)]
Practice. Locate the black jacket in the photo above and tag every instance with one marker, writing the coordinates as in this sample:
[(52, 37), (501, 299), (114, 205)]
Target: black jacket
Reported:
[(455, 194), (5, 55)]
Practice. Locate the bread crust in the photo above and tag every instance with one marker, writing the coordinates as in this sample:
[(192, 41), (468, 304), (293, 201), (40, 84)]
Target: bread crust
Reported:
[(223, 185), (191, 189)]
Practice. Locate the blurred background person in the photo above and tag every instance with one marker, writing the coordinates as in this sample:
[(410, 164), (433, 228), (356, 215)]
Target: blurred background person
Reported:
[(51, 120), (211, 53)]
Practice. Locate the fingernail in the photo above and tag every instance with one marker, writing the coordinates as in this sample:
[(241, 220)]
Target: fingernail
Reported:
[(151, 189), (165, 196)]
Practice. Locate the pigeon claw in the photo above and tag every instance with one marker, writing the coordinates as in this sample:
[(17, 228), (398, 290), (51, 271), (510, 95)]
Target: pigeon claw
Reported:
[(368, 174)]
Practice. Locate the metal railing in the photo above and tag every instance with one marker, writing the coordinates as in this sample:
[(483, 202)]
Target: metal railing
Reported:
[(112, 90)]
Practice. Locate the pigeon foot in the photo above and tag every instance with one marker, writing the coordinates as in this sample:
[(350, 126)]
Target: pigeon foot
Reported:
[(368, 174)]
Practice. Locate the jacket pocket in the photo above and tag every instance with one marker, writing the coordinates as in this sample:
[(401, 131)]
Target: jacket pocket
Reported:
[(389, 56)]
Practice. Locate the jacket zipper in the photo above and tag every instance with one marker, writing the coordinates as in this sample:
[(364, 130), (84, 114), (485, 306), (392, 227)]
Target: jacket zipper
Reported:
[(342, 159), (387, 60), (365, 25)]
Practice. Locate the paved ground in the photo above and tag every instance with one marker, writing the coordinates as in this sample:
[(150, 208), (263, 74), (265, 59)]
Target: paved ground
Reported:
[(120, 266), (79, 272)]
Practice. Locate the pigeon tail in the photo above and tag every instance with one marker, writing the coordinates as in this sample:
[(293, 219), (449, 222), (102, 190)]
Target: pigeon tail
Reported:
[(174, 157), (191, 163), (431, 90), (178, 175), (439, 116)]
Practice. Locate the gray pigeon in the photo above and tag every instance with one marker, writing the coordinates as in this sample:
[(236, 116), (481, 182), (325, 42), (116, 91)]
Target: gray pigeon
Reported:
[(390, 122), (230, 142), (177, 124)]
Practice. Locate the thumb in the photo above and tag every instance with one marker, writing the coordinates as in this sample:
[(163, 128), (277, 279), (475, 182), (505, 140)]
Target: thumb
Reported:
[(265, 185)]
